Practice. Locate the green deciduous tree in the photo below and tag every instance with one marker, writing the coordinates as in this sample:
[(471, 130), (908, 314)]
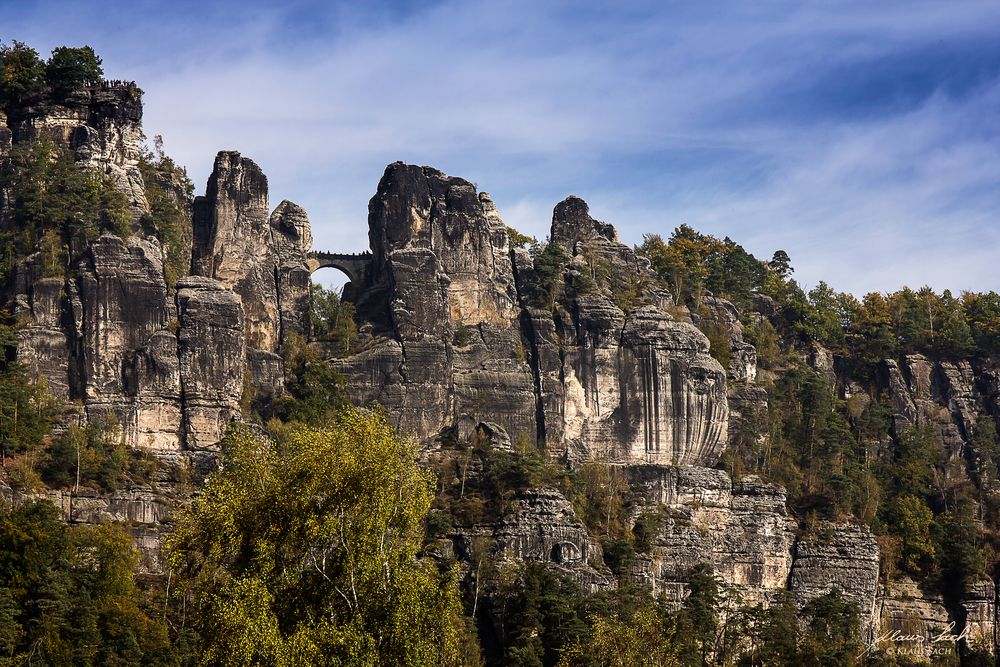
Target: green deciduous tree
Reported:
[(304, 552), (832, 632), (95, 456), (519, 240), (982, 312), (22, 72), (959, 550), (315, 388), (642, 639), (166, 219), (27, 410), (331, 319), (682, 262), (691, 262), (913, 520)]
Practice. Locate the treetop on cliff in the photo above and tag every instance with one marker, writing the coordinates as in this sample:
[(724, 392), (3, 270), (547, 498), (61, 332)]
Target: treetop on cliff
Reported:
[(23, 72)]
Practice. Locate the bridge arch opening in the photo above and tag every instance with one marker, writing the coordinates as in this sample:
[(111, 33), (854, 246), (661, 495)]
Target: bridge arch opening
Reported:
[(330, 278)]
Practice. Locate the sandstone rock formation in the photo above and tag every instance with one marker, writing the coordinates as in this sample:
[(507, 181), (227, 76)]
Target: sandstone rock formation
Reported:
[(102, 125), (232, 243), (541, 527), (456, 344), (168, 363), (842, 556), (458, 338), (914, 622), (742, 530), (979, 607), (291, 236)]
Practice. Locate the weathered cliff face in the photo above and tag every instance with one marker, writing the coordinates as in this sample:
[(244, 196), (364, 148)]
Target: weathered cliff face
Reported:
[(742, 530), (260, 257), (102, 125), (947, 398), (121, 312), (913, 622), (746, 399), (449, 349), (541, 527), (102, 332), (673, 392), (167, 362), (459, 340), (291, 236), (845, 557), (635, 384), (232, 244), (941, 395), (979, 607), (212, 352)]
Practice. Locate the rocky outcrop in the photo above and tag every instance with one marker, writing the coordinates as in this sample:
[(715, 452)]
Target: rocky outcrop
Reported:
[(454, 318), (979, 607), (914, 622), (947, 398), (212, 353), (232, 243), (938, 394), (541, 527), (842, 556), (118, 335), (747, 401), (291, 236), (102, 125), (120, 308), (673, 393), (449, 350), (630, 384), (722, 315), (456, 343), (107, 330), (743, 531)]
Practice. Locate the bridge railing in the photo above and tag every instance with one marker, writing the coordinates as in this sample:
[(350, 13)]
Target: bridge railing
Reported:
[(341, 255)]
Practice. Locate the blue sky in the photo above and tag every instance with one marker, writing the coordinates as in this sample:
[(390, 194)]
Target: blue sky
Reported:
[(862, 138)]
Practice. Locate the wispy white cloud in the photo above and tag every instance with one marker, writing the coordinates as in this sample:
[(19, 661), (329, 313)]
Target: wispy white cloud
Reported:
[(832, 130)]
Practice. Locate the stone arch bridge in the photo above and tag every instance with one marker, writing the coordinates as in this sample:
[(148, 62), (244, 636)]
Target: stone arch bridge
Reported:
[(355, 265)]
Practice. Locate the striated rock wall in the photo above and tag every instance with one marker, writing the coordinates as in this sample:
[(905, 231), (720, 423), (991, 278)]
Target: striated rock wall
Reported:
[(979, 608), (742, 530), (541, 527), (845, 557), (291, 236), (212, 353), (913, 622), (232, 244), (168, 362), (104, 333), (458, 337), (448, 350)]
